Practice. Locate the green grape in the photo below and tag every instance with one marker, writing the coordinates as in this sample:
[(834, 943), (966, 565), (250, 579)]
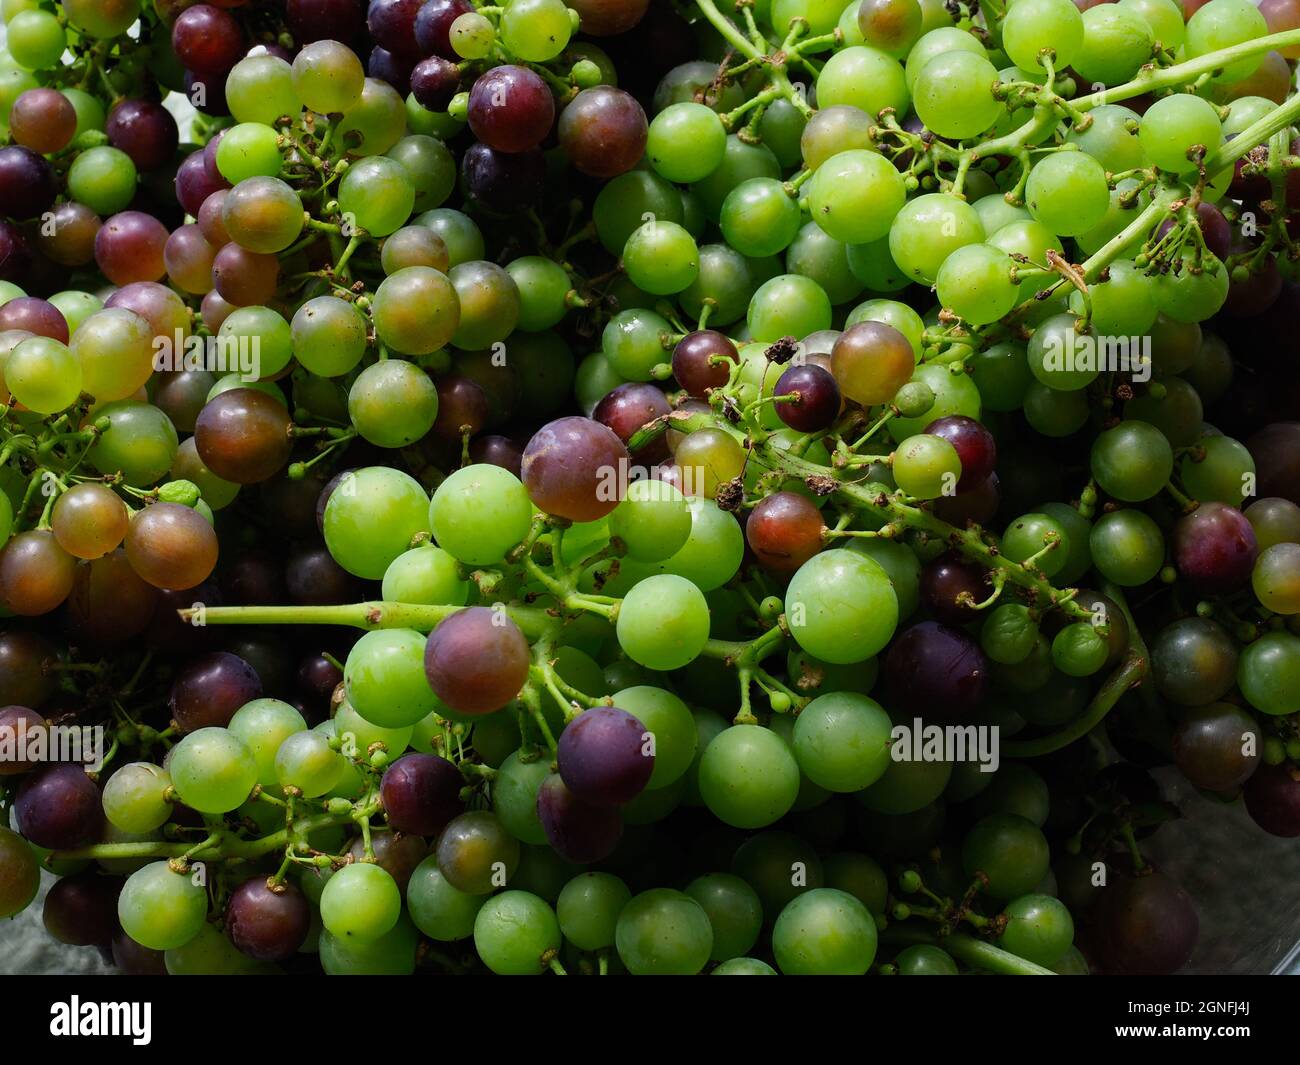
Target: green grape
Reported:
[(265, 332), (1039, 929), (393, 403), (816, 255), (488, 303), (713, 552), (661, 258), (633, 342), (855, 195), (370, 517), (430, 168), (725, 277), (1132, 461), (1172, 126), (841, 741), (1061, 357), (927, 230), (543, 287), (588, 909), (1078, 557), (1031, 239), (385, 681), (820, 16), (788, 305), (161, 909), (514, 795), (1218, 469), (259, 88), (1031, 27), (926, 466), (662, 932), (653, 520), (1112, 136), (328, 336), (664, 622), (669, 721), (378, 195), (953, 95), (874, 266), (937, 42), (380, 118), (748, 776), (686, 142), (1078, 650), (1027, 536), (624, 203), (361, 902), (734, 911), (1055, 413), (953, 394), (536, 30), (841, 606), (759, 217), (392, 954), (906, 787), (1245, 111), (1222, 24), (1009, 633), (1127, 547), (263, 725), (824, 932), (210, 953), (1116, 42), (925, 960), (76, 308), (865, 78), (516, 933), (891, 312), (1123, 305), (102, 18), (1191, 291), (479, 513), (305, 761), (440, 911), (740, 161), (1067, 192), (35, 39), (231, 381), (1001, 374), (1274, 578), (594, 379), (781, 129), (975, 282), (133, 797), (425, 574), (901, 566), (43, 375), (1268, 673), (417, 310), (472, 35), (140, 442), (744, 967), (250, 149), (458, 231), (1165, 17), (1011, 851), (994, 212), (357, 735), (212, 770)]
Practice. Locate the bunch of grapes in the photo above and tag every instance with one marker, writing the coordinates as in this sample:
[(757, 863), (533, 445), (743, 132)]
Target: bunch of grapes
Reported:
[(513, 486)]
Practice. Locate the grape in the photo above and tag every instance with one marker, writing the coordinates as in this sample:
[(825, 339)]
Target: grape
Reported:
[(1039, 928), (1009, 850), (1221, 24), (1067, 192), (578, 831), (439, 910), (36, 574), (80, 910), (603, 131), (161, 909), (855, 195), (134, 797), (43, 120), (392, 954), (661, 258), (1173, 126), (370, 518), (265, 923), (1266, 673), (212, 770), (841, 607), (263, 725), (975, 283), (574, 468), (305, 761), (479, 513), (1214, 548), (58, 807), (328, 77), (475, 854), (360, 902), (1043, 24), (588, 909), (934, 668), (516, 933), (952, 94), (1273, 801), (748, 777), (1144, 925), (1127, 547), (1116, 42), (685, 142), (927, 466), (604, 756), (664, 932), (207, 39), (208, 691), (784, 531), (788, 305), (824, 932), (927, 229), (476, 660)]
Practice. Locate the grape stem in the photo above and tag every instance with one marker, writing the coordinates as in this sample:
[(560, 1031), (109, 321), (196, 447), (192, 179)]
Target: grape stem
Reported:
[(974, 952)]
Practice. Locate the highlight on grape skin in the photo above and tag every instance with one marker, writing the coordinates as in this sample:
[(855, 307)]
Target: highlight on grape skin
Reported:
[(630, 487)]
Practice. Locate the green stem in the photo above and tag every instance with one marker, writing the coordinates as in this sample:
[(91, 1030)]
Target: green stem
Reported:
[(977, 953)]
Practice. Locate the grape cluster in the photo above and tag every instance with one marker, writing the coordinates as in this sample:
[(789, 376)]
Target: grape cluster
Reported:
[(519, 476)]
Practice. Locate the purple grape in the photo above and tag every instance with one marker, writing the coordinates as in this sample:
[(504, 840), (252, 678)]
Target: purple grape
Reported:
[(497, 451), (27, 185), (576, 830), (325, 20), (602, 756), (818, 398), (393, 68), (144, 130), (501, 181), (433, 26), (630, 406), (511, 109), (1215, 548), (59, 807), (421, 793), (435, 81), (974, 445), (81, 910), (208, 690), (946, 578), (978, 504), (937, 671), (392, 25), (1273, 800), (267, 925), (1144, 925)]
